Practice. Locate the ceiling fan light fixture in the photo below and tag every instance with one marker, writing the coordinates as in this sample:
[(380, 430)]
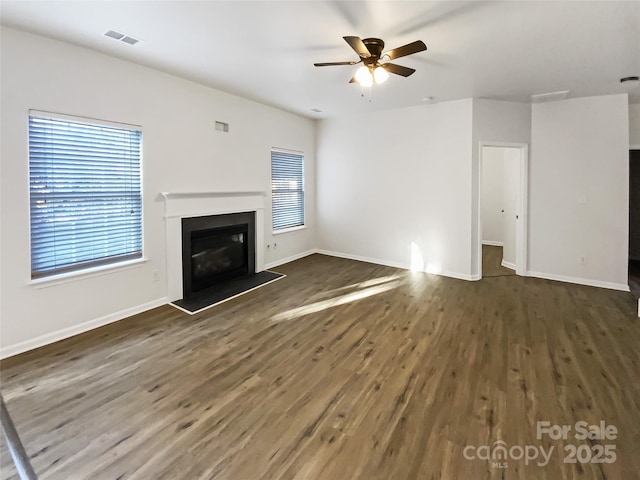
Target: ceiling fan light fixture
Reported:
[(380, 75), (370, 52), (363, 76)]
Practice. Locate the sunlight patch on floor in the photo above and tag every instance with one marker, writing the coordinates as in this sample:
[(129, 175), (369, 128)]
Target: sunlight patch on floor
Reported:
[(374, 289), (353, 286)]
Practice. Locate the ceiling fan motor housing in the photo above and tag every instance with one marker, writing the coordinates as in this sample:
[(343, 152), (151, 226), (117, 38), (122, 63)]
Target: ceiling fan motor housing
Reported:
[(375, 47)]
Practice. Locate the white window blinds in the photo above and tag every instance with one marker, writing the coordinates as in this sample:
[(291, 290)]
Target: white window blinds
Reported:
[(86, 198), (287, 189)]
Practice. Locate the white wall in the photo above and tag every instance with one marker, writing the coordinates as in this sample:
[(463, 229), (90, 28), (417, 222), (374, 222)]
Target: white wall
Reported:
[(492, 201), (182, 152), (634, 125), (579, 190), (395, 186), (493, 122)]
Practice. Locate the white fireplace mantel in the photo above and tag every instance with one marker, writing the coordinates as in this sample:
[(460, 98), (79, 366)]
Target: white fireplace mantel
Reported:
[(175, 195), (179, 205)]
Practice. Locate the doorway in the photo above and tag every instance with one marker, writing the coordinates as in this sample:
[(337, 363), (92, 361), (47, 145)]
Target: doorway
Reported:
[(502, 216), (634, 222)]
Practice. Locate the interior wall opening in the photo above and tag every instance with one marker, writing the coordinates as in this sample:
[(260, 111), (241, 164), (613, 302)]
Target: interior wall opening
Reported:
[(634, 223), (502, 214)]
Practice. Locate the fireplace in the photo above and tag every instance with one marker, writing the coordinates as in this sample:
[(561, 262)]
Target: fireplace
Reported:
[(200, 207), (216, 249)]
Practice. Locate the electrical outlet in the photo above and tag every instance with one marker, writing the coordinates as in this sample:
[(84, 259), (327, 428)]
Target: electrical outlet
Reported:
[(583, 259), (156, 275)]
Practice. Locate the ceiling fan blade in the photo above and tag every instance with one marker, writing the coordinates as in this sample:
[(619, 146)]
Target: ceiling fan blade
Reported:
[(330, 64), (358, 46), (408, 49), (398, 69)]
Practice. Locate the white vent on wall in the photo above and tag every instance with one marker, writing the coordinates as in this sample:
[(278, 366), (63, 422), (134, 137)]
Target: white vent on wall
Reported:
[(121, 37), (222, 127), (549, 97)]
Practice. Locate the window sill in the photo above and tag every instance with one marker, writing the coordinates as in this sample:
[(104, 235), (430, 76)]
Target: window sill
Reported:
[(86, 273), (287, 230)]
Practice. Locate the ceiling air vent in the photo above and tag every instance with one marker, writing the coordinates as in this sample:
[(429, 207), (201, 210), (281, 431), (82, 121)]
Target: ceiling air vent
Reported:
[(115, 35), (130, 40), (549, 97), (121, 36)]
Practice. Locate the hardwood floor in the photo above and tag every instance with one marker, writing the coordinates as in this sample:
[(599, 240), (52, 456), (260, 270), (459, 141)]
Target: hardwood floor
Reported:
[(492, 262), (342, 370)]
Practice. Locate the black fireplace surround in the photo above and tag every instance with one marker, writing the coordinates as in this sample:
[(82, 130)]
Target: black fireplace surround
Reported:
[(216, 249)]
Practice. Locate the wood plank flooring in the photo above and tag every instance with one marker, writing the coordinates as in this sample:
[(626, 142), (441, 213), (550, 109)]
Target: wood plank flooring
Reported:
[(342, 370), (492, 262)]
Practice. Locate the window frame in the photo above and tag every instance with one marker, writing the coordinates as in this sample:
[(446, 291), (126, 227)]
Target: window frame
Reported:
[(289, 228), (99, 265)]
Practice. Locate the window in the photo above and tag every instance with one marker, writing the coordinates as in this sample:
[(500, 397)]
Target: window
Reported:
[(287, 189), (85, 189)]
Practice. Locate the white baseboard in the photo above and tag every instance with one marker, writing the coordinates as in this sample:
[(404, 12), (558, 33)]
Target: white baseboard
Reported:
[(282, 261), (387, 263), (52, 337), (492, 243), (506, 264), (360, 258), (460, 276), (580, 281)]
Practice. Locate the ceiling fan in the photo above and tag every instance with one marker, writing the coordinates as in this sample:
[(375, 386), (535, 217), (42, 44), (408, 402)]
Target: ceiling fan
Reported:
[(370, 51)]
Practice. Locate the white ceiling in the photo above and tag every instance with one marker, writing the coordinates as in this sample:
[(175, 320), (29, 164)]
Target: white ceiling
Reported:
[(265, 50)]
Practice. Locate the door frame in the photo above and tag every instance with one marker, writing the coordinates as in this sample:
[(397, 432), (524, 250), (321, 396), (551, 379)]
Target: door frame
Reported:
[(522, 209), (632, 147)]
